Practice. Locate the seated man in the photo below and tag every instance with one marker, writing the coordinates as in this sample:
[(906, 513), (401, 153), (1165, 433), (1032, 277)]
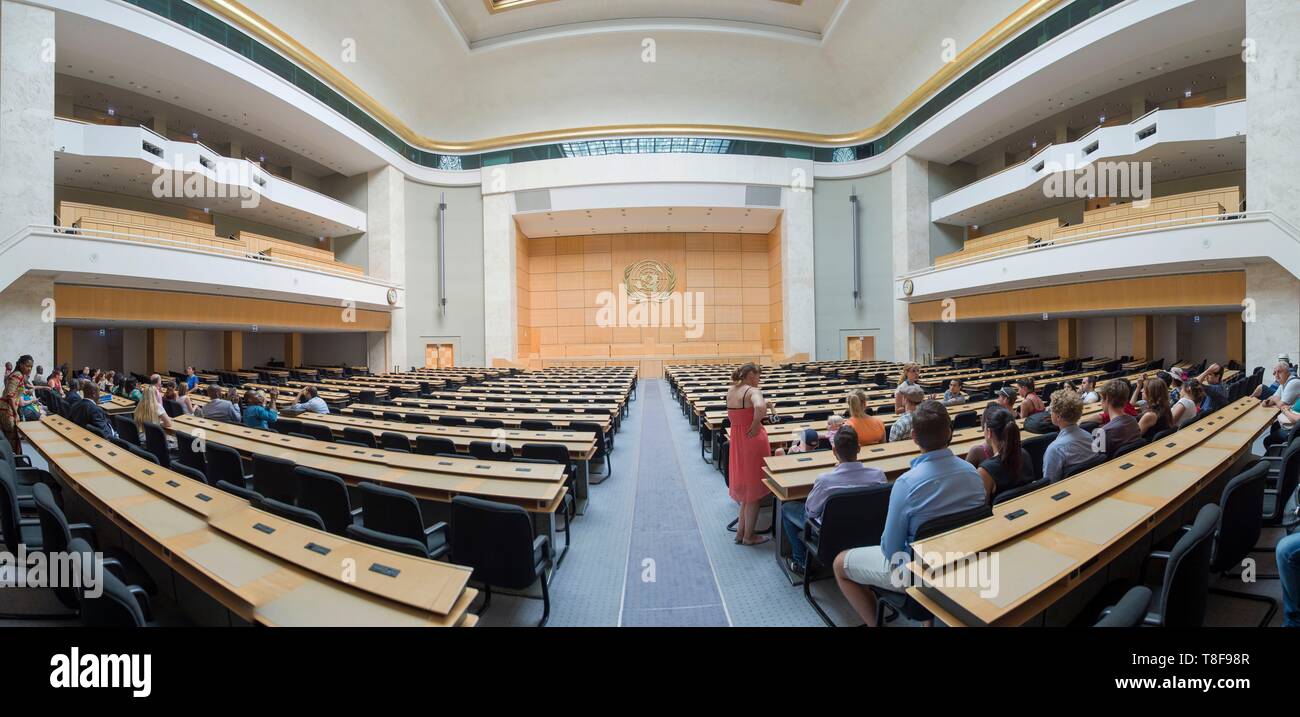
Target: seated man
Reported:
[(87, 413), (218, 408), (1216, 394), (847, 473), (1288, 568), (937, 484), (954, 394), (1073, 445), (1263, 392), (1122, 426), (1088, 390), (1284, 396), (309, 402), (902, 429), (191, 378)]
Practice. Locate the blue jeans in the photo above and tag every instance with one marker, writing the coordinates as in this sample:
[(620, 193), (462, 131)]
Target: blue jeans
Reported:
[(1288, 567), (792, 518)]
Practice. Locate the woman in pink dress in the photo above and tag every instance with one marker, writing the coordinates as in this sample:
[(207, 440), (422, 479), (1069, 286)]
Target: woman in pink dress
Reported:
[(749, 446)]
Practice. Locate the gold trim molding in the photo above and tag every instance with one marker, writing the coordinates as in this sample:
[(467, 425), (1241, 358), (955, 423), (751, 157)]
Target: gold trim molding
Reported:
[(249, 21)]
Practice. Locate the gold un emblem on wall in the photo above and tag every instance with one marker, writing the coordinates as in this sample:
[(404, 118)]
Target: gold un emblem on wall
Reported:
[(649, 280)]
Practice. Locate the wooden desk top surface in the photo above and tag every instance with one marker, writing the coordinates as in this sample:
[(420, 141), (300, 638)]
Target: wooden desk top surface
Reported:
[(269, 577)]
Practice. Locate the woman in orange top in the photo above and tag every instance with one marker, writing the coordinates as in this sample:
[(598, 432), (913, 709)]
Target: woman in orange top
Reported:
[(869, 428)]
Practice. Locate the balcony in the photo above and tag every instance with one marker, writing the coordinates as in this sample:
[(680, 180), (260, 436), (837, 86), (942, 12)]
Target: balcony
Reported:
[(136, 161)]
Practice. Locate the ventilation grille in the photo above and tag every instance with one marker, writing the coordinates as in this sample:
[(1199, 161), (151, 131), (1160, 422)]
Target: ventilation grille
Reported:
[(762, 196), (536, 200)]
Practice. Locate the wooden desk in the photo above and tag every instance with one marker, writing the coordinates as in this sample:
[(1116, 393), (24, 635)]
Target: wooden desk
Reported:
[(209, 537), (1073, 528), (559, 420)]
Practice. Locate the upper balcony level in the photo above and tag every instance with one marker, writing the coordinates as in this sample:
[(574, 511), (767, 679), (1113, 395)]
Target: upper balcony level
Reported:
[(1170, 143), (136, 161), (1183, 235)]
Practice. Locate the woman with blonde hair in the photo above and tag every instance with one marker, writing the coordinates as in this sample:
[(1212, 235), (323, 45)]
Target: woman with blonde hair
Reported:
[(749, 446), (147, 409), (869, 428)]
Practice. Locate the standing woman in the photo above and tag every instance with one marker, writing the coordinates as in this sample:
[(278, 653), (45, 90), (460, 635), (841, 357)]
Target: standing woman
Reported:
[(10, 403), (749, 446), (910, 376)]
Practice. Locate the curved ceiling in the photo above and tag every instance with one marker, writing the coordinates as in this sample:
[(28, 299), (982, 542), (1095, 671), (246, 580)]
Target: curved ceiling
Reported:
[(415, 60)]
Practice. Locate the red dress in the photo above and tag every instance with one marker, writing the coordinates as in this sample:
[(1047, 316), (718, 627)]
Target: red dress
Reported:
[(745, 471)]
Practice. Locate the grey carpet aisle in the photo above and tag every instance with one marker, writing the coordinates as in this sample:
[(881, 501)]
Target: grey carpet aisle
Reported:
[(669, 580)]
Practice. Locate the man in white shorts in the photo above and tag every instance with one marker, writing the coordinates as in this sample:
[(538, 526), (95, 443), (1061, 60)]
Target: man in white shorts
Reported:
[(938, 484)]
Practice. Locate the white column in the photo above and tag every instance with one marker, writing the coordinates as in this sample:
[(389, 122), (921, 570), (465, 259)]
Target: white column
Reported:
[(1272, 181), (910, 223), (500, 305), (798, 304), (27, 169), (386, 247)]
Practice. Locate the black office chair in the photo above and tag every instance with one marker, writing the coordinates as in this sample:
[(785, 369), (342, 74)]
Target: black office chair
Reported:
[(852, 518), (603, 447), (1238, 529), (1133, 445), (899, 602), (188, 449), (965, 419), (363, 413), (389, 510), (224, 464), (558, 454), (394, 417), (155, 440), (15, 528), (273, 478), (24, 475), (1283, 479), (367, 397), (1096, 460), (359, 435), (496, 540), (392, 441), (173, 408), (433, 445), (247, 494), (489, 423), (486, 451), (141, 453), (419, 419), (188, 472), (1013, 493), (1036, 447), (1180, 599), (287, 511), (288, 425), (115, 604), (536, 425), (1164, 434), (1129, 611), (326, 495), (388, 541), (318, 431), (451, 420), (57, 535), (126, 428)]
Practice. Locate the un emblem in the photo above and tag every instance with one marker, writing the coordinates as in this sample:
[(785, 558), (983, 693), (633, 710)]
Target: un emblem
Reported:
[(649, 280)]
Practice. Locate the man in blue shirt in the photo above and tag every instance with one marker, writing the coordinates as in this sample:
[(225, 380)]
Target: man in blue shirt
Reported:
[(1073, 445), (847, 473), (938, 484), (1216, 394), (191, 378), (309, 402)]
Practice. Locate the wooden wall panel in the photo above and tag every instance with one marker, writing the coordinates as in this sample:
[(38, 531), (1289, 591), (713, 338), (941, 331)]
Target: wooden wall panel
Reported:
[(1210, 290), (103, 303), (567, 278)]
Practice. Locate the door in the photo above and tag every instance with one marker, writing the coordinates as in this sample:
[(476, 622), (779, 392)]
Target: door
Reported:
[(439, 355), (860, 348)]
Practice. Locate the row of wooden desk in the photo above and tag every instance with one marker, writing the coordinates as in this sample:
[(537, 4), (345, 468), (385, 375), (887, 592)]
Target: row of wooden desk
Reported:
[(260, 568)]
